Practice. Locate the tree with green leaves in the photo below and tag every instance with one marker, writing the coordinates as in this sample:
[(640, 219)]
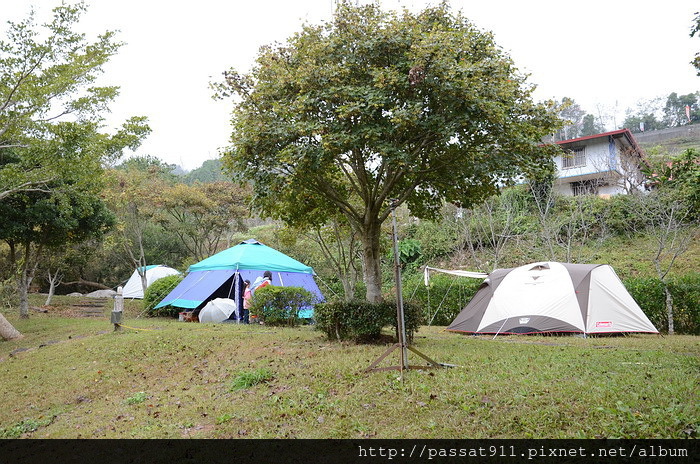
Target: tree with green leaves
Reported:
[(590, 126), (52, 142), (376, 109), (133, 193), (46, 76), (695, 29), (572, 114), (675, 110), (646, 116), (670, 215), (202, 215), (36, 222)]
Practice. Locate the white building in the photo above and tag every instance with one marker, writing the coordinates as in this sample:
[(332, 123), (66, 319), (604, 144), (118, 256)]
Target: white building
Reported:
[(602, 164)]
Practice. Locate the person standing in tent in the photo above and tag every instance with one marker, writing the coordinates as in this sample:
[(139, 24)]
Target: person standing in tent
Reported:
[(266, 280), (247, 296)]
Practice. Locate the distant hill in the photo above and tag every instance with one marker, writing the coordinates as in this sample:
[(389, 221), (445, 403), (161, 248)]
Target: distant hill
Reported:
[(672, 141), (210, 171)]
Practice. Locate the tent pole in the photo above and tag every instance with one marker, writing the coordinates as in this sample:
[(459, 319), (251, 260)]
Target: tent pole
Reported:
[(499, 329)]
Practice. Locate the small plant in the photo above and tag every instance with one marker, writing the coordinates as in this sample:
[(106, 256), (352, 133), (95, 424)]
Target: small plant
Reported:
[(222, 419), (27, 426), (155, 294), (281, 305), (247, 379), (137, 398)]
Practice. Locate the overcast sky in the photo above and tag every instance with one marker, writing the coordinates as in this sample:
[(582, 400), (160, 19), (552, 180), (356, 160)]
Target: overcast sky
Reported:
[(605, 54)]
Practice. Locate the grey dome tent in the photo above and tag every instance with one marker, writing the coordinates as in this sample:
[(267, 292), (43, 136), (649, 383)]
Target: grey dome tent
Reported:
[(551, 297)]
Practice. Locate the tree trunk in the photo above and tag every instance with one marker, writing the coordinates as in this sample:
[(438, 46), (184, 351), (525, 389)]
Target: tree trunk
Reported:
[(669, 308), (144, 280), (371, 263), (53, 279), (7, 331), (23, 289), (52, 290), (25, 277)]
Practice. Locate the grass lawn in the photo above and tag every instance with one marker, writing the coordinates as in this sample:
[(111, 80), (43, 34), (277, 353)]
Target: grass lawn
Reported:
[(73, 377)]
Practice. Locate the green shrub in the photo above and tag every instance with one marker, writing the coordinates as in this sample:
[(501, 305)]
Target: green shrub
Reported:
[(137, 398), (250, 378), (443, 300), (648, 292), (333, 288), (155, 294), (686, 303), (363, 322), (281, 305)]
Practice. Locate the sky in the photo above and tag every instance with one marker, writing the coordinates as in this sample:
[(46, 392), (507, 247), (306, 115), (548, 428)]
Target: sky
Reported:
[(605, 54)]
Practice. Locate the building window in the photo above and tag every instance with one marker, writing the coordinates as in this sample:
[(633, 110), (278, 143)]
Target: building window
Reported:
[(574, 158), (585, 187)]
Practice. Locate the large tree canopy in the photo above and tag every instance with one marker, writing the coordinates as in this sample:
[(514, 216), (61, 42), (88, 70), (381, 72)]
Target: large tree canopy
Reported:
[(52, 144), (47, 76), (375, 106)]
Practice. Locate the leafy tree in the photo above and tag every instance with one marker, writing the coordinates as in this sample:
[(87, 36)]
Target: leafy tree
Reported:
[(647, 116), (572, 114), (642, 122), (150, 164), (695, 29), (376, 106), (675, 110), (46, 75), (210, 171), (590, 126), (35, 221), (52, 147), (201, 215), (133, 193), (682, 175)]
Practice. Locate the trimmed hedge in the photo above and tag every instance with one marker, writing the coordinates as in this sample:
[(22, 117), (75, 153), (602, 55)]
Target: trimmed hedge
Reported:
[(280, 305), (155, 294), (445, 298), (361, 321), (648, 292)]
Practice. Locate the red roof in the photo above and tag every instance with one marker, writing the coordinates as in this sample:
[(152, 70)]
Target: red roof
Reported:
[(616, 133)]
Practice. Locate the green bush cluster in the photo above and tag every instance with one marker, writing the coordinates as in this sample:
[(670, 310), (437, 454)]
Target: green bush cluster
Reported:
[(155, 294), (280, 305), (361, 321), (333, 288), (443, 300), (648, 292)]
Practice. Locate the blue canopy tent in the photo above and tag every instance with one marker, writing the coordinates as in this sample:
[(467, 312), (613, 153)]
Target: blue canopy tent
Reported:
[(222, 276)]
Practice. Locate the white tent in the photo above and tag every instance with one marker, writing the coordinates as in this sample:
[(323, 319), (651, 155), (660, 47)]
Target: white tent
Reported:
[(217, 310), (551, 297), (133, 287)]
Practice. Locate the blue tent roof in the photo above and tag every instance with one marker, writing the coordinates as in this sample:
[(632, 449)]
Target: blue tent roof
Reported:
[(251, 255), (248, 260)]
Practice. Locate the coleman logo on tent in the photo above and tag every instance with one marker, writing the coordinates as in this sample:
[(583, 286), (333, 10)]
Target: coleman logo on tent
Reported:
[(523, 320), (604, 324)]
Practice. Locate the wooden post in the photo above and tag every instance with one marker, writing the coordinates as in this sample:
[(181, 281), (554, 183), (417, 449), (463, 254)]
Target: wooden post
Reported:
[(118, 309)]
